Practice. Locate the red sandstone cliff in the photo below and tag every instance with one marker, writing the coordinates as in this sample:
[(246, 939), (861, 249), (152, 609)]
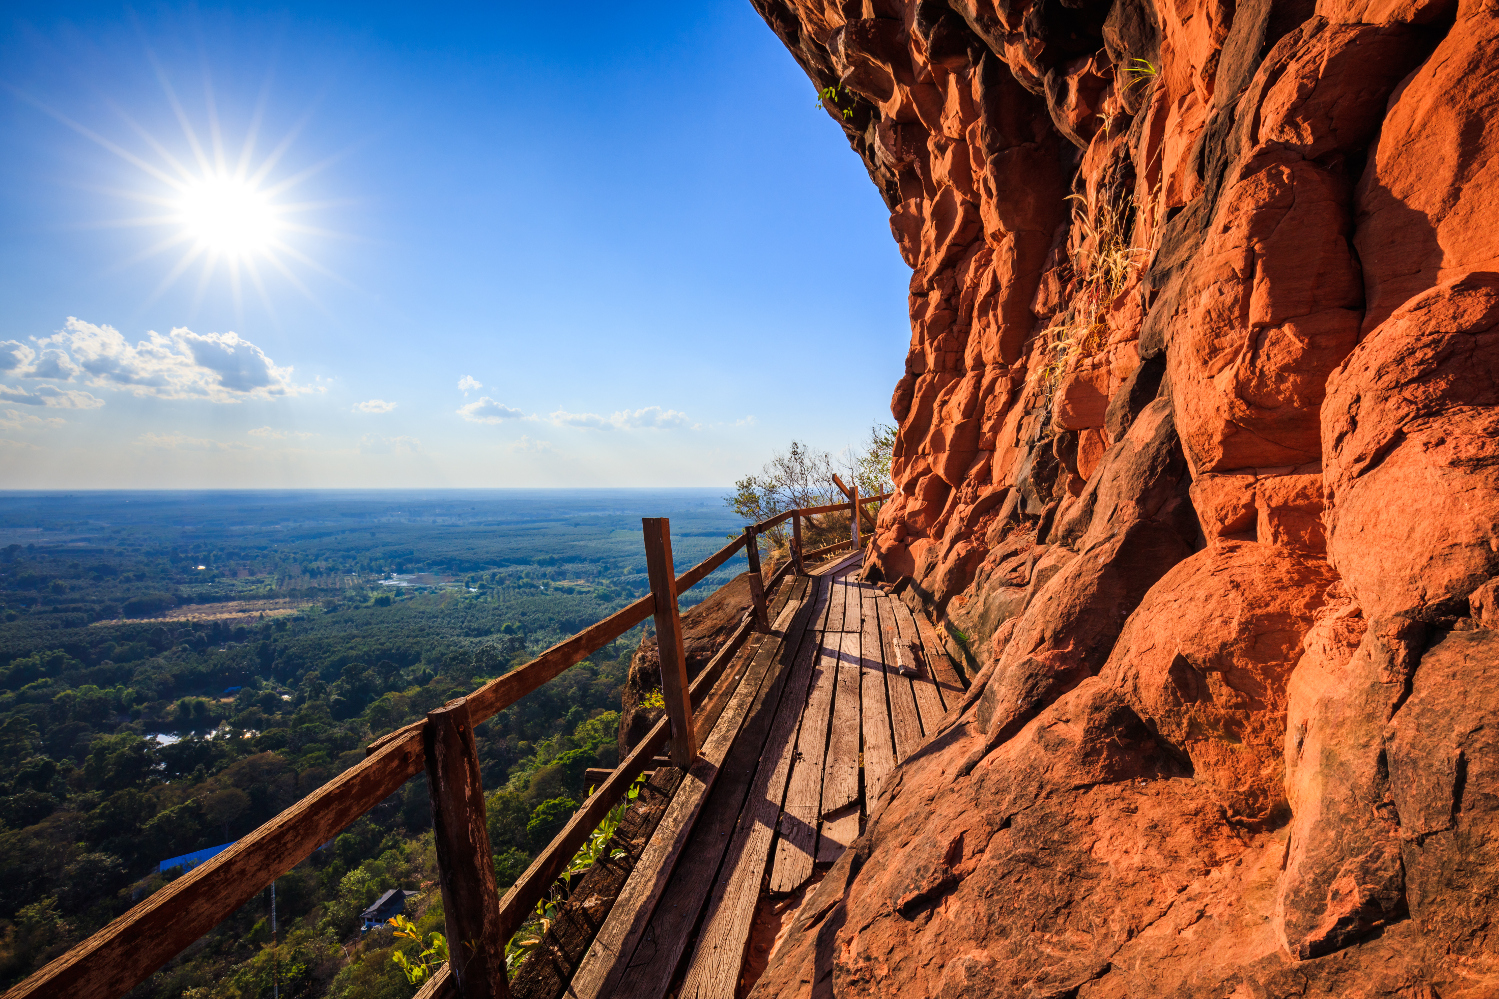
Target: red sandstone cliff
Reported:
[(1199, 466)]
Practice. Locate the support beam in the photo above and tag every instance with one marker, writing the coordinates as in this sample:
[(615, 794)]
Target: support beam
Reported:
[(796, 543), (465, 868), (674, 686), (756, 581), (858, 543)]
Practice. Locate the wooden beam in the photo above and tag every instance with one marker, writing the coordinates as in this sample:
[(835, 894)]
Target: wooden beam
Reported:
[(674, 685), (854, 521), (441, 985), (699, 572), (778, 519), (796, 544), (128, 950), (465, 868), (499, 694), (615, 945), (853, 496), (666, 938), (756, 581), (717, 956), (825, 549), (879, 744)]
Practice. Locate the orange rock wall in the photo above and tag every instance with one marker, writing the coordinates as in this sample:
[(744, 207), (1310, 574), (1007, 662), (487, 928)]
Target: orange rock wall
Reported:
[(1198, 467)]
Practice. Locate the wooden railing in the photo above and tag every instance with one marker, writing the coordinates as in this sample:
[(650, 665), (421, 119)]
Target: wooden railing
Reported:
[(131, 948)]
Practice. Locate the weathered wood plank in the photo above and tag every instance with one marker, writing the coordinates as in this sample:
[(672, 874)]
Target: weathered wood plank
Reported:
[(126, 952), (838, 831), (825, 549), (840, 771), (853, 612), (651, 967), (545, 974), (822, 597), (465, 869), (944, 673), (837, 603), (928, 700), (441, 985), (905, 720), (607, 958), (798, 823), (669, 642), (879, 743), (719, 952)]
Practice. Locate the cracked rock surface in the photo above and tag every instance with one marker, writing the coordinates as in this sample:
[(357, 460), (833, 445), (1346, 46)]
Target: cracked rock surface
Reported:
[(1198, 474)]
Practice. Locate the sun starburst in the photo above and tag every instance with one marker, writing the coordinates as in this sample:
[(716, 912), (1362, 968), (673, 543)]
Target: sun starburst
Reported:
[(226, 213)]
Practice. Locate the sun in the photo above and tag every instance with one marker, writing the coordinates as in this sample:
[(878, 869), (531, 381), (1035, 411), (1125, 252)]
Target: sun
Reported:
[(229, 216)]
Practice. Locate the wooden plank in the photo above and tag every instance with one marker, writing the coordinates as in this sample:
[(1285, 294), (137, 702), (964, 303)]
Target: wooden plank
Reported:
[(651, 967), (905, 720), (590, 899), (879, 743), (812, 511), (853, 497), (822, 597), (944, 673), (127, 951), (719, 951), (440, 986), (778, 519), (465, 869), (499, 694), (837, 603), (703, 569), (796, 544), (825, 549), (669, 642), (928, 700), (840, 565), (839, 830), (852, 609), (798, 822), (840, 771), (606, 959)]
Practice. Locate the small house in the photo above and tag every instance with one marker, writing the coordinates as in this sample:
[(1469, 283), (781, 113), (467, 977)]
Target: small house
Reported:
[(392, 903)]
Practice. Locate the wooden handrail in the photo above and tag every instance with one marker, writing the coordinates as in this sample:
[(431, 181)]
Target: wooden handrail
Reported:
[(134, 945), (828, 548)]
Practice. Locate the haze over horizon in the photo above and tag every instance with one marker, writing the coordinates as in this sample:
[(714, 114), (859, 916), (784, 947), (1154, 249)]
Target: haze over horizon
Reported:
[(368, 247)]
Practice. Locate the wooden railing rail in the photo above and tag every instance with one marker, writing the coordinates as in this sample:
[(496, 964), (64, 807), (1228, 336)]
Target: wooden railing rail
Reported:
[(133, 946)]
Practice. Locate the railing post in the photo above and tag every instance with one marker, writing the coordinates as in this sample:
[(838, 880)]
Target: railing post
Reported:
[(465, 868), (855, 517), (756, 581), (674, 686), (796, 543)]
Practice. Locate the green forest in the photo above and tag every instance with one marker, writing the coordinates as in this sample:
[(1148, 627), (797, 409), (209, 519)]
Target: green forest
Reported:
[(176, 669)]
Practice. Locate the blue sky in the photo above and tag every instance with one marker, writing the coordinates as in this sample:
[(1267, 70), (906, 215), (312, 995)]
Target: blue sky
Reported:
[(524, 245)]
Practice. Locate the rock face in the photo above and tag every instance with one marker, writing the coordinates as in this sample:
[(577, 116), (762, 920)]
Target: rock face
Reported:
[(1198, 470)]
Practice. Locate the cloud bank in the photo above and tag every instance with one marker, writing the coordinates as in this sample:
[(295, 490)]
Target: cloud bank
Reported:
[(374, 406), (486, 410), (217, 367)]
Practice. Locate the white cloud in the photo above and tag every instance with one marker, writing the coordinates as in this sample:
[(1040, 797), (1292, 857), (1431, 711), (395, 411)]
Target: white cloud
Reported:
[(15, 355), (181, 442), (486, 410), (12, 419), (535, 447), (54, 364), (748, 421), (649, 418), (279, 435), (372, 444), (218, 367), (652, 418), (374, 406), (588, 421), (50, 395), (468, 383), (6, 444)]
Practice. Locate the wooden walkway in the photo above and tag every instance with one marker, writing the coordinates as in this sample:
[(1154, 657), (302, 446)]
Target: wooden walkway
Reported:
[(814, 717)]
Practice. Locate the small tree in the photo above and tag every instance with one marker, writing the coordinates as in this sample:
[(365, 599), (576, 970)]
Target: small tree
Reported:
[(796, 477)]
